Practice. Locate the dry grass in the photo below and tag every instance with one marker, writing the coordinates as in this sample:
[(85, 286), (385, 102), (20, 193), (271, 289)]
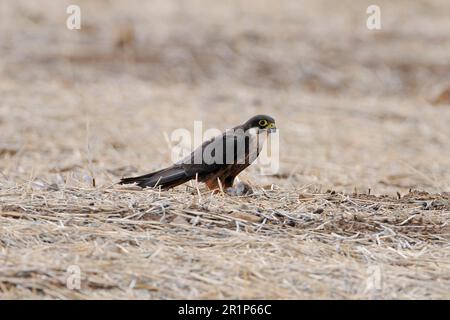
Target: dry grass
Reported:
[(354, 113), (178, 244)]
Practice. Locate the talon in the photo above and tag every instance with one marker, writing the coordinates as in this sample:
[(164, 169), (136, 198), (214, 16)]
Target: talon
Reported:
[(240, 189)]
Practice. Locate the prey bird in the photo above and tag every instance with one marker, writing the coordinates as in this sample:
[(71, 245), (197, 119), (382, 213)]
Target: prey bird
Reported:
[(217, 161)]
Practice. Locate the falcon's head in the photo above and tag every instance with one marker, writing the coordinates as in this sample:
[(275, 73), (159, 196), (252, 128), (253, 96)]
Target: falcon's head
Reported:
[(261, 122)]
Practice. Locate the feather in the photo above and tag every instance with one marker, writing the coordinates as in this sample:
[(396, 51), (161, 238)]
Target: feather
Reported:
[(165, 178)]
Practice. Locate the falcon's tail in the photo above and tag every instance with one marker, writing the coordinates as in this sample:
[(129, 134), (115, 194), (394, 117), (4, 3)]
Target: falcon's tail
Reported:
[(165, 178)]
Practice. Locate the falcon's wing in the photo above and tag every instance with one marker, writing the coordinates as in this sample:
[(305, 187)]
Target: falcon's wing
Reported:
[(217, 154)]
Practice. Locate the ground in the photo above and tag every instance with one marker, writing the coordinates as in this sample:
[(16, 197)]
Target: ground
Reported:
[(359, 209)]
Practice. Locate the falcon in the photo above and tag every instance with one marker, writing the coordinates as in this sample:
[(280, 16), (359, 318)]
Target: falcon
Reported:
[(217, 161)]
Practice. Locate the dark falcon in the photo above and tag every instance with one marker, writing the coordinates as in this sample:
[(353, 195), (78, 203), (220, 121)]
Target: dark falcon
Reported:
[(217, 161)]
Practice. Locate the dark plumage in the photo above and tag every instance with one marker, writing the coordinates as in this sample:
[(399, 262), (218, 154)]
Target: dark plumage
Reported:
[(239, 144)]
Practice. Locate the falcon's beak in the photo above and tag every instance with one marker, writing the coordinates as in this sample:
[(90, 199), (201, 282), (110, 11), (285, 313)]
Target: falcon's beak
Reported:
[(271, 127)]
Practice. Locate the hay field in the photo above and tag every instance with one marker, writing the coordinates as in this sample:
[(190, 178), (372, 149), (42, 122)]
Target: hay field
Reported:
[(358, 111)]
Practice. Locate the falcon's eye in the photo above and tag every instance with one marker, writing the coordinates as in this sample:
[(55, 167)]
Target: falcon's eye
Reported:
[(262, 122)]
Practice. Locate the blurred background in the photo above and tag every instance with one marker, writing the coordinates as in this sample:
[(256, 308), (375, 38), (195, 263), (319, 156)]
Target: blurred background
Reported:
[(356, 108)]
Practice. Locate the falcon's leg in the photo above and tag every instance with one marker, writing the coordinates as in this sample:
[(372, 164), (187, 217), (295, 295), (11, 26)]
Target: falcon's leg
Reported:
[(225, 183), (240, 189), (212, 184)]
